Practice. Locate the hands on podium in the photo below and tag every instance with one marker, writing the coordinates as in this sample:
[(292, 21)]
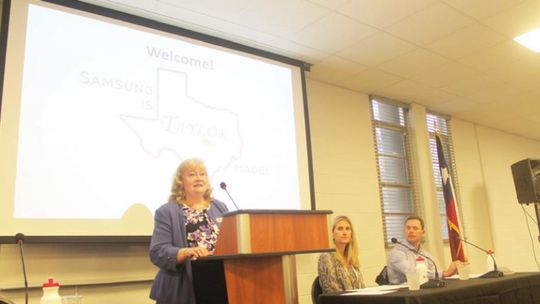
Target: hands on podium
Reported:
[(191, 253)]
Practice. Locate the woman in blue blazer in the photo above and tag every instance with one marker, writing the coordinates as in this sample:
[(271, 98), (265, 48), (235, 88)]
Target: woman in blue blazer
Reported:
[(185, 228)]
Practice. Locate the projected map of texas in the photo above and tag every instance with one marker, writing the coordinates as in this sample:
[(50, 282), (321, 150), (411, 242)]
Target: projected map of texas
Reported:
[(186, 126)]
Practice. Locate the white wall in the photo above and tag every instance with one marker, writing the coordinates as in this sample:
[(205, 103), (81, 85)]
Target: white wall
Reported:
[(476, 224), (346, 182), (121, 273), (512, 243), (345, 172)]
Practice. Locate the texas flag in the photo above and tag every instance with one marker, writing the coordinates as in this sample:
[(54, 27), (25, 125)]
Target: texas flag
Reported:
[(454, 234)]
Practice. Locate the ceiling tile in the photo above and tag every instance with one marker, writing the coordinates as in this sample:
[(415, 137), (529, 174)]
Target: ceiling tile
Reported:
[(331, 4), (426, 26), (280, 17), (515, 125), (489, 114), (515, 71), (521, 127), (452, 106), (444, 75), (219, 9), (402, 91), (235, 33), (343, 31), (369, 80), (376, 49), (500, 55), (382, 13), (334, 69), (466, 40), (516, 20), (512, 124), (528, 104), (482, 9), (428, 96), (499, 93), (297, 51), (471, 84), (526, 83), (412, 63), (206, 24)]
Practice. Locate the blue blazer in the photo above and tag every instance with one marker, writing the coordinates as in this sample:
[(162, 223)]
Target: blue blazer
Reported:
[(174, 282)]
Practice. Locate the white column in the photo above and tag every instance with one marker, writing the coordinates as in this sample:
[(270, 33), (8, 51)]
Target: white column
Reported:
[(425, 190)]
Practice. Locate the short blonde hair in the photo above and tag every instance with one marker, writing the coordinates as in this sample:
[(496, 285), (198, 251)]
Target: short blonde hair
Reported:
[(351, 250), (177, 190)]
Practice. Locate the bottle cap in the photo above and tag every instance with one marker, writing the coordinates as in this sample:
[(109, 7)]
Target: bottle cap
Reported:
[(51, 283)]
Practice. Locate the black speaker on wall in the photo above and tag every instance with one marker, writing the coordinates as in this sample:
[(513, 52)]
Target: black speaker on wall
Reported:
[(526, 175)]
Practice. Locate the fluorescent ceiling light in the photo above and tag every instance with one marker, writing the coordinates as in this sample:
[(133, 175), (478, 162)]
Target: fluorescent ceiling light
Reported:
[(530, 40)]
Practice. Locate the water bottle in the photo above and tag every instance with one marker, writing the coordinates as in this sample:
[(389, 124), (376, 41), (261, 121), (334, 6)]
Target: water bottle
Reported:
[(50, 292), (421, 268)]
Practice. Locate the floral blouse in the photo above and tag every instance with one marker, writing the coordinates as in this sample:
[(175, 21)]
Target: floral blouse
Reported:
[(200, 229), (333, 276)]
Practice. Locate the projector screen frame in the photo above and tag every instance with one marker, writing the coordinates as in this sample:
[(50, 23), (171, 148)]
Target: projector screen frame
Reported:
[(168, 28), (4, 30)]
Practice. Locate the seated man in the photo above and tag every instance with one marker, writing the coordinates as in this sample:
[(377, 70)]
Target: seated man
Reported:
[(401, 260)]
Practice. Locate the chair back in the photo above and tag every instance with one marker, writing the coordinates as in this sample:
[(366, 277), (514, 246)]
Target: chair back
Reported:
[(382, 278), (316, 290)]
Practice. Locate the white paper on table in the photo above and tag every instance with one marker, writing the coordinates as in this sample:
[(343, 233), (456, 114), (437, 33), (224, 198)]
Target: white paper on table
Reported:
[(383, 289), (471, 276)]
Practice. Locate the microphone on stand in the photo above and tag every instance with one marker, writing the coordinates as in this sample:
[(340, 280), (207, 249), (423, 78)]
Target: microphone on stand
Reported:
[(490, 274), (223, 186), (431, 283), (19, 239)]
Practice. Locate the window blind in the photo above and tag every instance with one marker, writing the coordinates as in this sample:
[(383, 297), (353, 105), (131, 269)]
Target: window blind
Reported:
[(393, 164), (441, 124)]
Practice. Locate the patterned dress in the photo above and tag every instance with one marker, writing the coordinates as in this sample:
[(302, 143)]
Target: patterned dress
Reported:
[(200, 229), (333, 276)]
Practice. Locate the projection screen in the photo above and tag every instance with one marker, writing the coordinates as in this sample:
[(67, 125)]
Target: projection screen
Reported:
[(97, 113)]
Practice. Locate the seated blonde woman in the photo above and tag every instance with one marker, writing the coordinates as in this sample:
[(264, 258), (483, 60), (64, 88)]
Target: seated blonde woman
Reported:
[(340, 270)]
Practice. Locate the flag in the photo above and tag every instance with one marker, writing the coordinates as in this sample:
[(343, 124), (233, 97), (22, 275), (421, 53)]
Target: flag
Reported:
[(454, 234)]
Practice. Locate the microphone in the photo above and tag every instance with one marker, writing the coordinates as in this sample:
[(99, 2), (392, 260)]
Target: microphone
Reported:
[(19, 239), (490, 274), (431, 283), (223, 186)]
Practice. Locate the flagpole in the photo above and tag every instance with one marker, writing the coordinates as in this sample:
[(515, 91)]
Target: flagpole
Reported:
[(453, 218), (458, 216), (456, 203)]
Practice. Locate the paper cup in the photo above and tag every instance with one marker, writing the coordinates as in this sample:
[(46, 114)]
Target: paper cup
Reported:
[(464, 270), (413, 280), (72, 300)]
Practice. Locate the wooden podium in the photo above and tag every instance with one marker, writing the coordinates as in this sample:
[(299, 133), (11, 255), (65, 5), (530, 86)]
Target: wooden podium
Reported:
[(258, 247)]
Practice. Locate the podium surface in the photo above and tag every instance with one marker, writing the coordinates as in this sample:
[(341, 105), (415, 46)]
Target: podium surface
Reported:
[(273, 232), (258, 248)]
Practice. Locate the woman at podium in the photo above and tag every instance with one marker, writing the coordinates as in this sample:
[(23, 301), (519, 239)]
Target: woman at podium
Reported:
[(340, 270), (185, 228)]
